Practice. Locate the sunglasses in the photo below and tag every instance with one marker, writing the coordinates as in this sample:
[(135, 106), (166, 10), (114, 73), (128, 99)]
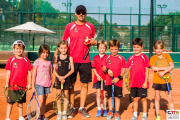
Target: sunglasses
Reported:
[(83, 13)]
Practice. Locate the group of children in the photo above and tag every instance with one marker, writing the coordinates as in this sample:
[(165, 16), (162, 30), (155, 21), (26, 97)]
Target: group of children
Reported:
[(107, 68)]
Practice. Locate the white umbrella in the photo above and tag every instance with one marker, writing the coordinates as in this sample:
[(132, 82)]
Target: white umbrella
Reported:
[(30, 27)]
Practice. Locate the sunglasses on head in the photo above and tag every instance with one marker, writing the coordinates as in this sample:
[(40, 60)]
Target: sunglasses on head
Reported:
[(83, 13)]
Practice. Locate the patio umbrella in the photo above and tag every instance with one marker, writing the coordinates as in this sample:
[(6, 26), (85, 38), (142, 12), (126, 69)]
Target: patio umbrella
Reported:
[(30, 27)]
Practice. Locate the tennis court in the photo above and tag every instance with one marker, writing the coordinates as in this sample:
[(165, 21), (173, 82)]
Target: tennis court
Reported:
[(126, 110)]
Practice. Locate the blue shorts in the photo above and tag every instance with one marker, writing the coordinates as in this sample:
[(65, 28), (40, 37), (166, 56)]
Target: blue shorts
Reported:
[(42, 90), (97, 85)]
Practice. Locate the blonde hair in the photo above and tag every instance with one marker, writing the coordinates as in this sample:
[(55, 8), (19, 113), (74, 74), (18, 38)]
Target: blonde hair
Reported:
[(62, 42), (102, 42), (159, 42), (113, 43)]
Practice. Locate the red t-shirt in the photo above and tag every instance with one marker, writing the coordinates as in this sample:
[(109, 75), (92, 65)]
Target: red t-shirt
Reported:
[(76, 34), (97, 64), (114, 63), (18, 70), (138, 66)]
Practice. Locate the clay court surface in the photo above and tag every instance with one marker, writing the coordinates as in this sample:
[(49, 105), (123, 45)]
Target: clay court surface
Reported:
[(126, 110)]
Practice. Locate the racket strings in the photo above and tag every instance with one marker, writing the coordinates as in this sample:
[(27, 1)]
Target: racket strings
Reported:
[(163, 63), (33, 110), (128, 81)]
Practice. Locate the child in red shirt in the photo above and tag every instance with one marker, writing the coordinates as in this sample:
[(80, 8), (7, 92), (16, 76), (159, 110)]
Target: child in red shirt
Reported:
[(114, 67), (17, 69), (139, 70), (99, 76)]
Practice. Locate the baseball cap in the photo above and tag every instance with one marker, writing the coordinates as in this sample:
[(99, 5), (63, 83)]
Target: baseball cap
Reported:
[(80, 7), (19, 42)]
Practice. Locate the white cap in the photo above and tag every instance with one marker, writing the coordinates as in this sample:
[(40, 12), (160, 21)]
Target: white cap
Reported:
[(19, 42)]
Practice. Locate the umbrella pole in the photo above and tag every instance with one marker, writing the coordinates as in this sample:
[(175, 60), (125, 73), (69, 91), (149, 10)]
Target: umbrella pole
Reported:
[(29, 40), (44, 38)]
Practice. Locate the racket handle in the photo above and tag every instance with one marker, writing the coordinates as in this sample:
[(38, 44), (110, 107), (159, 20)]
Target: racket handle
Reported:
[(130, 101), (87, 53), (168, 87)]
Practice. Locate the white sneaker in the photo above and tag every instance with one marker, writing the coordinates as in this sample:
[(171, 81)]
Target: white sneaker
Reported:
[(64, 117), (58, 117), (7, 119), (21, 118)]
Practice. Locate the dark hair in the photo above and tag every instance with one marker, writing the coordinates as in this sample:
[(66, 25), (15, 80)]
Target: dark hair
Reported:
[(102, 42), (113, 43), (137, 41), (62, 42), (159, 42), (44, 47)]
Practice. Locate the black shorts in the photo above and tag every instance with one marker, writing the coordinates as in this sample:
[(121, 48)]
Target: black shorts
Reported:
[(117, 91), (97, 85), (67, 85), (84, 70), (161, 87), (139, 92), (22, 100)]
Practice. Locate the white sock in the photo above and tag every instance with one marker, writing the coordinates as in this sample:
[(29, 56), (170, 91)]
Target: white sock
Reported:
[(144, 114), (81, 108), (104, 108), (135, 114), (64, 112), (99, 108), (59, 112), (21, 118)]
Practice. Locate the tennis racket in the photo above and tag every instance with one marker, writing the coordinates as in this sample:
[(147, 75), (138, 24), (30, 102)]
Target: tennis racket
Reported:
[(101, 96), (163, 62), (112, 93), (14, 93), (61, 103), (94, 38), (33, 108), (127, 82)]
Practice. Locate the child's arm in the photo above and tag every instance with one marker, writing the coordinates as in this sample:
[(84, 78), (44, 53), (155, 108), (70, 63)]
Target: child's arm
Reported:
[(154, 68), (33, 78), (110, 73), (98, 76), (170, 68), (54, 71), (146, 79), (29, 80), (7, 78), (52, 83), (122, 74), (72, 69)]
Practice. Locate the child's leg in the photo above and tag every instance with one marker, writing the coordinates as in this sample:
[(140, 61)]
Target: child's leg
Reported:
[(40, 100), (144, 104), (117, 103), (20, 109), (9, 108), (58, 101), (66, 92), (157, 99), (98, 98), (110, 103), (44, 104), (135, 105), (170, 100), (105, 99)]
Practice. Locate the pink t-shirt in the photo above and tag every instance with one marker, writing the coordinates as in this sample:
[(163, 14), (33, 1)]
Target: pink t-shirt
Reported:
[(138, 66), (76, 34), (43, 74), (116, 64)]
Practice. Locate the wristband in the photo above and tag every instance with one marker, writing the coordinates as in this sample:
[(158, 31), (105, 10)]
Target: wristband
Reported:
[(107, 70), (120, 77)]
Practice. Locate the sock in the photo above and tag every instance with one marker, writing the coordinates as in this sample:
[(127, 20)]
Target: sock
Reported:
[(111, 111), (59, 112), (64, 112), (116, 111), (144, 114), (135, 114), (99, 108), (81, 108), (104, 108)]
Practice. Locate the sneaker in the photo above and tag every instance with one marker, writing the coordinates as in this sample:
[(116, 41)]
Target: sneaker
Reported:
[(109, 116), (64, 117), (21, 118), (58, 117), (158, 118), (84, 113), (71, 112), (104, 113), (116, 116), (7, 119), (98, 113), (144, 118), (134, 118)]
